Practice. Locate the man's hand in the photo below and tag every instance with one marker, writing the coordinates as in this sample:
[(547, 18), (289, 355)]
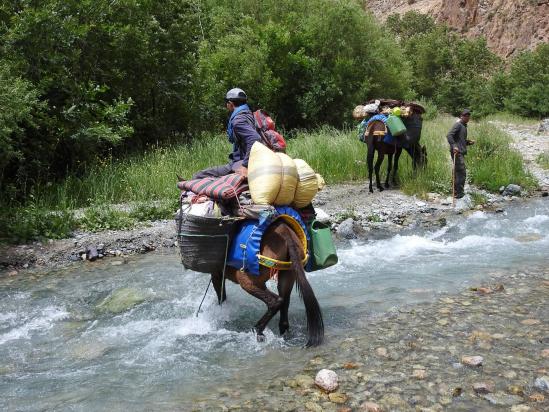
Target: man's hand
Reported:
[(243, 171), (456, 150)]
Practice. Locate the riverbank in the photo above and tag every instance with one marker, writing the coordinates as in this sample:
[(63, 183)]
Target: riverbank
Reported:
[(418, 358), (352, 211)]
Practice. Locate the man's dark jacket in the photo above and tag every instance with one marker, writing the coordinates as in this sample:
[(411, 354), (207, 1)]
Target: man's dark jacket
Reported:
[(457, 137), (244, 135)]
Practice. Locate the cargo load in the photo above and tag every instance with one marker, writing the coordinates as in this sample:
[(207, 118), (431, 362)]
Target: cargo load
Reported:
[(272, 177)]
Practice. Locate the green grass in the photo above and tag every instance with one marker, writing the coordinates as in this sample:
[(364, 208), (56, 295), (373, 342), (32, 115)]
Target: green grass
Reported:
[(148, 180), (543, 160)]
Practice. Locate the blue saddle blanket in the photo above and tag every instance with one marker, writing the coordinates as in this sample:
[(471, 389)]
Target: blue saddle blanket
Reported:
[(246, 243)]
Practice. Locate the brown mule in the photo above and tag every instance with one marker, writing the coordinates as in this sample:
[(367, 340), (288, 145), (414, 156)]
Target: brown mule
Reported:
[(374, 139), (279, 242)]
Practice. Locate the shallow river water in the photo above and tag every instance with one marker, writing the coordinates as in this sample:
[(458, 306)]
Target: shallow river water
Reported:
[(110, 336)]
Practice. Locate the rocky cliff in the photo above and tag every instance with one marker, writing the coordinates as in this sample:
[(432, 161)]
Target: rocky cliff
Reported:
[(509, 26)]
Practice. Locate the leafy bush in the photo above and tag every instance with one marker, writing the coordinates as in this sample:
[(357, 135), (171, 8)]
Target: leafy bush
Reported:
[(527, 84), (145, 212), (309, 62), (104, 217), (34, 223)]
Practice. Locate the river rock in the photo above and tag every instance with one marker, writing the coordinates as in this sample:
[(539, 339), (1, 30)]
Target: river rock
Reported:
[(322, 216), (121, 300), (537, 397), (312, 406), (304, 381), (503, 399), (370, 407), (520, 408), (337, 397), (92, 253), (483, 388), (464, 203), (512, 190), (543, 126), (472, 360), (327, 380), (347, 229), (542, 383)]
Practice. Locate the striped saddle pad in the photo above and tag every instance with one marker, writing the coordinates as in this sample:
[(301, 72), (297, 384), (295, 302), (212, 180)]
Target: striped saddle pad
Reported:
[(216, 188)]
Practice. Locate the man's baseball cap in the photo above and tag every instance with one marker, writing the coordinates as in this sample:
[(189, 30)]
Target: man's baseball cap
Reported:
[(465, 112)]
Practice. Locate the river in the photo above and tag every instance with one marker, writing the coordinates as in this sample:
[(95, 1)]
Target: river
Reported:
[(110, 336)]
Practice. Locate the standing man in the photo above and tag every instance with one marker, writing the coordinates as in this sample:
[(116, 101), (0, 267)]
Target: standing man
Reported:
[(457, 138), (242, 134)]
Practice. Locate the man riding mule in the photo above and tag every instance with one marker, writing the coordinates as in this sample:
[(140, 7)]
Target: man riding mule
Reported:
[(241, 133), (261, 229)]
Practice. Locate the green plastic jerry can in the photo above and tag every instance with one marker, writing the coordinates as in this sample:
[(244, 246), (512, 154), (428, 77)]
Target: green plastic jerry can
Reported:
[(323, 252), (395, 125)]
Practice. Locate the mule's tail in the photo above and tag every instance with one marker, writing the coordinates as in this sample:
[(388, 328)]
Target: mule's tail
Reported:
[(315, 324)]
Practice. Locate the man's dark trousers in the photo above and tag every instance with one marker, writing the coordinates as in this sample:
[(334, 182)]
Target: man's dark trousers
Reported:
[(216, 171), (460, 173)]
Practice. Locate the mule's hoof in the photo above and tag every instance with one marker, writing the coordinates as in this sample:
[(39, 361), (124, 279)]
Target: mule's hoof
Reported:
[(283, 328), (387, 186), (371, 190), (380, 188)]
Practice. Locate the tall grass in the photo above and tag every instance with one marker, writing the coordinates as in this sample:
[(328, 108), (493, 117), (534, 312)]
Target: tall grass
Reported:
[(337, 155)]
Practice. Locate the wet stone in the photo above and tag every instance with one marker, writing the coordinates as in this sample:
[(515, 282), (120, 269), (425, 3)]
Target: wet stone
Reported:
[(483, 388), (502, 399), (337, 397), (304, 381), (542, 383), (472, 360), (370, 407), (327, 380)]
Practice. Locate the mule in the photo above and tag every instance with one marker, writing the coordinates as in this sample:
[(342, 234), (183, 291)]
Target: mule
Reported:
[(279, 242), (374, 140)]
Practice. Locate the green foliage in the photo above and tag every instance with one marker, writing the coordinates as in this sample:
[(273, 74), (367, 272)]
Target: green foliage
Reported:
[(478, 198), (35, 223), (492, 163), (312, 61), (543, 160), (150, 212), (452, 71), (110, 76), (527, 83), (104, 217)]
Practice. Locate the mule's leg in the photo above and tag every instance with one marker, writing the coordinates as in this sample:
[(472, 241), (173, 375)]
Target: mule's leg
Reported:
[(286, 282), (371, 152), (219, 286), (395, 168), (256, 287), (389, 166), (379, 161)]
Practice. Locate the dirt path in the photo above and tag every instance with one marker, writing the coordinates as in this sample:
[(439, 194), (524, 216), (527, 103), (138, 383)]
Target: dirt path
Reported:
[(531, 144)]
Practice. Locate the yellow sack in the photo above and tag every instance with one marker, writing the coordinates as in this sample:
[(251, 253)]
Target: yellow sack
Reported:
[(307, 185), (321, 182), (272, 177)]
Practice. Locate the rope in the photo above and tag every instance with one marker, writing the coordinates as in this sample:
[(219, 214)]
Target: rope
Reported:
[(203, 297)]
